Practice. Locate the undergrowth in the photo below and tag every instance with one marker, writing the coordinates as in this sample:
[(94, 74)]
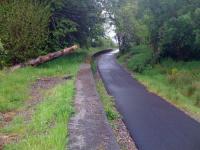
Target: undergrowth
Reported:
[(137, 58)]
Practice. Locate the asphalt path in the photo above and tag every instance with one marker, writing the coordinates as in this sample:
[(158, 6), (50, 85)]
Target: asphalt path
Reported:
[(153, 122)]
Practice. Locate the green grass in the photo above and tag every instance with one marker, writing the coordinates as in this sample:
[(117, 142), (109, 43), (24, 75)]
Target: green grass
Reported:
[(178, 82), (137, 58), (48, 127), (108, 102), (14, 86)]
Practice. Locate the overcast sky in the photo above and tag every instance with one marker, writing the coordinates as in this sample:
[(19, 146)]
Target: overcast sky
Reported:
[(110, 30)]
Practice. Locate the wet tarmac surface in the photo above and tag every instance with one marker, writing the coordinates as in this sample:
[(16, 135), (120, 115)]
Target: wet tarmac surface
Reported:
[(154, 123)]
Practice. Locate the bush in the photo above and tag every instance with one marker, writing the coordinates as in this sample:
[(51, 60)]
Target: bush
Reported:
[(142, 57), (23, 29), (181, 37)]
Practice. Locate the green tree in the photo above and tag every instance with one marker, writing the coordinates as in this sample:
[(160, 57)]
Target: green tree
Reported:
[(171, 28), (23, 29), (75, 21)]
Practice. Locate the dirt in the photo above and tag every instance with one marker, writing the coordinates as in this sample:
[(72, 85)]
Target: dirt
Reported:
[(122, 135), (37, 91)]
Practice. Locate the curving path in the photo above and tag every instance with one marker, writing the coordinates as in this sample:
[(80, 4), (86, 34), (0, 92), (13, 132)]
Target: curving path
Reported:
[(154, 123)]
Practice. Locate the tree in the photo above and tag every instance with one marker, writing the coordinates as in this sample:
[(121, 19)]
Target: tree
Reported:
[(23, 29), (171, 28), (75, 21)]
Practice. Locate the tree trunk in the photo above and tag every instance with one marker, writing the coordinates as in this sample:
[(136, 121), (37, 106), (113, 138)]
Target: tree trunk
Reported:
[(45, 58)]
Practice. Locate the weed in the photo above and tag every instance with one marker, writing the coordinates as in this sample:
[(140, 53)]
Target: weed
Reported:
[(108, 102)]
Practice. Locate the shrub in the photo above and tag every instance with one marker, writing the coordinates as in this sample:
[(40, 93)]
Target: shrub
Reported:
[(23, 28), (142, 57)]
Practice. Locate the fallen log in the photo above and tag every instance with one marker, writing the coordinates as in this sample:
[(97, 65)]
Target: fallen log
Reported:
[(45, 58)]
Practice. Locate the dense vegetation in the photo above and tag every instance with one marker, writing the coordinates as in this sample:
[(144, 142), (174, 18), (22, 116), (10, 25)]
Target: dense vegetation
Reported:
[(170, 28), (32, 27)]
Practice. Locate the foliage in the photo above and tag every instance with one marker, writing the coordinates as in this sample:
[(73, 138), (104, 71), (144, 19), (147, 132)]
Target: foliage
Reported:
[(171, 28), (138, 58), (75, 21), (103, 42), (181, 37), (1, 47), (23, 29), (30, 28), (2, 55)]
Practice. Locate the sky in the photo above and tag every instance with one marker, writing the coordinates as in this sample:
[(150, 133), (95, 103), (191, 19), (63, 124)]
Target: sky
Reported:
[(110, 32), (110, 29)]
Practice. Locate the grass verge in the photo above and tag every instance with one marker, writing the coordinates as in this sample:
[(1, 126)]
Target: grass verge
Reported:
[(119, 129), (47, 129), (107, 101), (177, 82), (14, 86)]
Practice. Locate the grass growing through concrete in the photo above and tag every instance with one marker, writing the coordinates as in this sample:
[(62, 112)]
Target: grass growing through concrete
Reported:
[(107, 101), (47, 129)]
